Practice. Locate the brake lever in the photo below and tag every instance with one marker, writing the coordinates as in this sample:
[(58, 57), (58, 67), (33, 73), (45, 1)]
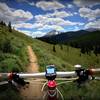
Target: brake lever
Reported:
[(16, 80), (83, 75)]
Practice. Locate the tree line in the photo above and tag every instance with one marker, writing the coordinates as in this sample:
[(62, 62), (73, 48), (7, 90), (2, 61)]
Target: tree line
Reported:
[(87, 47), (2, 23), (5, 44)]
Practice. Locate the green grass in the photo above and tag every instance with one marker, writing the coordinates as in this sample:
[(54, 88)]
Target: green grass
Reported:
[(47, 56), (89, 91), (68, 56), (13, 57), (17, 55), (9, 92)]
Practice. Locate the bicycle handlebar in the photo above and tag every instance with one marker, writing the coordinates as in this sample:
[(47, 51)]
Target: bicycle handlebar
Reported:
[(42, 74), (70, 74)]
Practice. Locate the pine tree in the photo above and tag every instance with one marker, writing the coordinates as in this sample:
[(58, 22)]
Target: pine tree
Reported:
[(7, 47), (61, 46), (54, 49), (9, 27), (2, 23)]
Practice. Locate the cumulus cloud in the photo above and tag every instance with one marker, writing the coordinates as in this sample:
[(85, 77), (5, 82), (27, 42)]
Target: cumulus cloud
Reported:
[(21, 14), (76, 28), (59, 14), (23, 25), (49, 5), (26, 1), (37, 25), (32, 34), (5, 12), (94, 24), (8, 14), (52, 27), (52, 23), (31, 3), (28, 25), (38, 34), (55, 21), (48, 24), (87, 3), (70, 6), (89, 13)]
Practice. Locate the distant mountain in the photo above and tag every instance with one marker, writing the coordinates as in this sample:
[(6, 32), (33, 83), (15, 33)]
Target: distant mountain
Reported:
[(52, 33), (91, 29), (53, 37)]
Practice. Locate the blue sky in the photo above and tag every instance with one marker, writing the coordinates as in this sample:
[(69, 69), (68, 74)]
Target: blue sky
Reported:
[(37, 17)]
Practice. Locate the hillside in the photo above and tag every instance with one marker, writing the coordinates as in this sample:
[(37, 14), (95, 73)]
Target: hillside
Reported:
[(87, 41), (13, 57), (12, 50), (64, 57), (91, 37), (81, 36)]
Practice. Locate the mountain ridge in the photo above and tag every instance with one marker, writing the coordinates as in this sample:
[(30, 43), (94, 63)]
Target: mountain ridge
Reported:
[(62, 36)]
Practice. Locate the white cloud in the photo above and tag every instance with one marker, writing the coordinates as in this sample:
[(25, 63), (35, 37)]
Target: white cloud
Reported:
[(45, 20), (31, 3), (89, 13), (49, 21), (8, 14), (49, 5), (32, 34), (87, 3), (5, 12), (59, 26), (75, 13), (26, 1), (52, 27), (70, 6), (59, 14), (56, 21), (21, 14), (69, 23), (94, 24), (40, 26), (38, 34), (28, 25), (4, 7), (23, 25), (37, 25), (76, 28)]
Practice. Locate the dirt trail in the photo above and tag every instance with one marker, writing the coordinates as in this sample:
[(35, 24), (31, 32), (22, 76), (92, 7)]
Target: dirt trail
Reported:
[(33, 92)]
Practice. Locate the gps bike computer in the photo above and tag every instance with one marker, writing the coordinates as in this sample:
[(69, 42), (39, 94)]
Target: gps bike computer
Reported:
[(50, 72)]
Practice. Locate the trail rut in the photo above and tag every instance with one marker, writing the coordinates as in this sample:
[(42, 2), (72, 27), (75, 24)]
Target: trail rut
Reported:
[(33, 92)]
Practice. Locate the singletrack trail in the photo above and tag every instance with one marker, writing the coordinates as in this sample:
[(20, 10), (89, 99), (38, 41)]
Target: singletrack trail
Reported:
[(33, 92)]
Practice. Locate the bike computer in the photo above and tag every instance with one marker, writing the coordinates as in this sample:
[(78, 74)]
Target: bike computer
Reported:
[(50, 72)]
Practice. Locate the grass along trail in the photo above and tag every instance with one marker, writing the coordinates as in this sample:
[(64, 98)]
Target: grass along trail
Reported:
[(33, 92)]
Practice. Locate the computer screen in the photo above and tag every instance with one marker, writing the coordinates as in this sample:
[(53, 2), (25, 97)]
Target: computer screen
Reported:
[(50, 70)]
